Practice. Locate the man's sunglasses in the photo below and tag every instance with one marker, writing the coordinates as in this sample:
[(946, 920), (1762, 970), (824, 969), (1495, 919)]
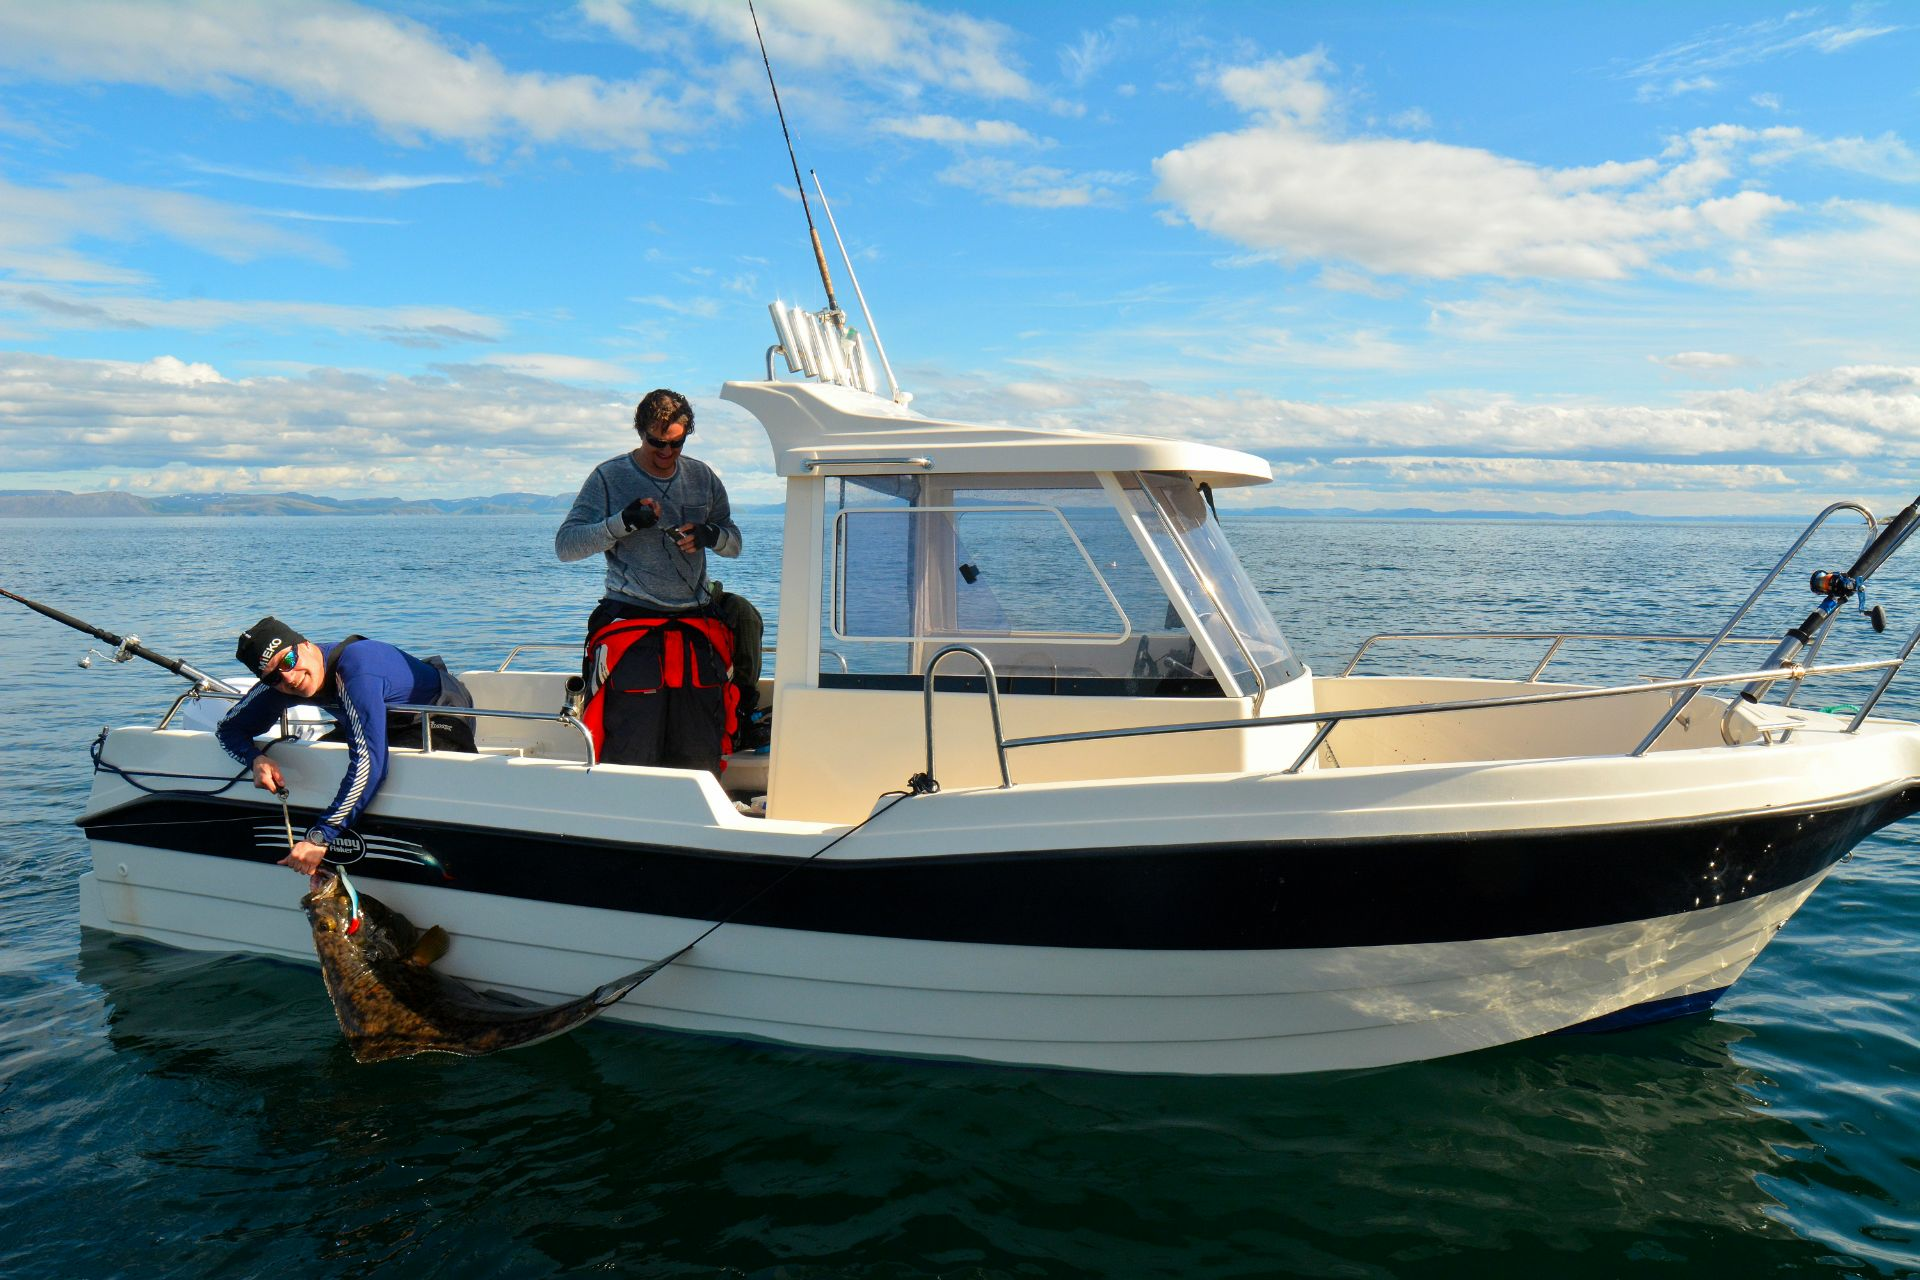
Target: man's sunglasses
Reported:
[(289, 659), (655, 442)]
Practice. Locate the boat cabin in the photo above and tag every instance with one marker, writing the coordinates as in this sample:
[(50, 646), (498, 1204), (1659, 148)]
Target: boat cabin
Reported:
[(1087, 568)]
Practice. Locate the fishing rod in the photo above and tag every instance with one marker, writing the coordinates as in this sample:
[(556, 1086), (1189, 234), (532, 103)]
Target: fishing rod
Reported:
[(1836, 589), (124, 647), (819, 253)]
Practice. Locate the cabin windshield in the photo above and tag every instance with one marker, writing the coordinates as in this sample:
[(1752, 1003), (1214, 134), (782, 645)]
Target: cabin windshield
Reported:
[(1043, 573), (1174, 510)]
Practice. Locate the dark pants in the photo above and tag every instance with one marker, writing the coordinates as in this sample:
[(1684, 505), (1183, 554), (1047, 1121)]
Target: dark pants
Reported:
[(741, 617), (647, 721)]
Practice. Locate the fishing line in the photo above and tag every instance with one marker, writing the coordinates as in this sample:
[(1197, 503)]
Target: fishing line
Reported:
[(184, 822), (764, 890)]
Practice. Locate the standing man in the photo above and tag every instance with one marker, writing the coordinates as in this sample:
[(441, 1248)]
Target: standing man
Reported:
[(655, 513), (356, 680)]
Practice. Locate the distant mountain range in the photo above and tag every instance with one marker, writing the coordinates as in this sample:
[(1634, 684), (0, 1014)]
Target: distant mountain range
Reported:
[(60, 503), (1427, 513), (55, 502)]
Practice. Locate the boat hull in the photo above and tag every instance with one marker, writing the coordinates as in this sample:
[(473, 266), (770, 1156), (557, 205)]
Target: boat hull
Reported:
[(1256, 957)]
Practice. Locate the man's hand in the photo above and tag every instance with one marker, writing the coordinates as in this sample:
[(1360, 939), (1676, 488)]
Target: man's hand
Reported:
[(267, 775), (641, 513), (305, 857), (688, 537)]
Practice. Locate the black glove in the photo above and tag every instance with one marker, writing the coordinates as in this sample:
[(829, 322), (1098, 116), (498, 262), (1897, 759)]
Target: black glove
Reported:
[(705, 535), (638, 515)]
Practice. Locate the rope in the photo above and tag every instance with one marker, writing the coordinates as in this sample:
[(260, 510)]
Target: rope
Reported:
[(129, 776), (916, 787), (764, 890)]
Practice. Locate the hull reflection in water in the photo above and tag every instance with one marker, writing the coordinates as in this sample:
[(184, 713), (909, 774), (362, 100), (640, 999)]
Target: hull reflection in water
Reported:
[(672, 1150)]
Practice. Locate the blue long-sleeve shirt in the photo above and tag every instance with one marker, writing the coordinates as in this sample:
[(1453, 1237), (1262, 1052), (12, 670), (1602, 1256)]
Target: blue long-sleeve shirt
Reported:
[(368, 677)]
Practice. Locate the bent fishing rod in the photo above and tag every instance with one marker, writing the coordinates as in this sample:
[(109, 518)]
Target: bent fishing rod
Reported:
[(124, 647)]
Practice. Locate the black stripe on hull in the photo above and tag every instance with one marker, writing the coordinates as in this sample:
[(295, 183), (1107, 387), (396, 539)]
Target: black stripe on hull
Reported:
[(1274, 895)]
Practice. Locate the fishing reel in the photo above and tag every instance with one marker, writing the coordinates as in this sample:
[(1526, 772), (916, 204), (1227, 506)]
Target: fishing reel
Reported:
[(1842, 588), (123, 653)]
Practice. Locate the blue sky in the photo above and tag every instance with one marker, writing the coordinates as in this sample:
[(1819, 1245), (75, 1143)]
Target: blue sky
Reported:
[(1550, 257)]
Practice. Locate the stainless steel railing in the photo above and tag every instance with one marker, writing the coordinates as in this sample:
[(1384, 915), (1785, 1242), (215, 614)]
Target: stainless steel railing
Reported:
[(1558, 638), (1685, 688), (993, 705), (518, 649), (419, 709), (1327, 721)]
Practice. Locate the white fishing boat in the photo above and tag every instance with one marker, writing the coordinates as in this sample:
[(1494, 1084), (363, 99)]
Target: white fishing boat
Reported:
[(1144, 838)]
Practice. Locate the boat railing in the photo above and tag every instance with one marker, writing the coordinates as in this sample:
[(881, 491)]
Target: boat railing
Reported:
[(518, 649), (426, 714), (423, 711), (1325, 722), (1724, 636), (1556, 639), (766, 651), (1000, 743)]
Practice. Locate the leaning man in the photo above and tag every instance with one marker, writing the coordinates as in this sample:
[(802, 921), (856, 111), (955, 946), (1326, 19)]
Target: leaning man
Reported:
[(356, 681), (655, 513)]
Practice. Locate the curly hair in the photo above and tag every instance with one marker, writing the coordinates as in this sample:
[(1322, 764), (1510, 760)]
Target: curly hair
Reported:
[(662, 408)]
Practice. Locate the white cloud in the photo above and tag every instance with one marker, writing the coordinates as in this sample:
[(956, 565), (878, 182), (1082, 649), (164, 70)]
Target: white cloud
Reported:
[(1727, 45), (336, 58), (16, 127), (39, 225), (1766, 101), (1403, 207), (332, 179), (1286, 91), (561, 368), (901, 48), (1035, 186), (700, 308), (1841, 414), (1094, 51), (1292, 186), (1887, 156), (1341, 280), (1568, 473), (411, 326), (471, 429), (959, 133), (1859, 248), (1698, 361), (1650, 92), (175, 372), (466, 430)]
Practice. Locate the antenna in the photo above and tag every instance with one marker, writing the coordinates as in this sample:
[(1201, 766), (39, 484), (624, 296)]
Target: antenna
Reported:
[(893, 383), (819, 254)]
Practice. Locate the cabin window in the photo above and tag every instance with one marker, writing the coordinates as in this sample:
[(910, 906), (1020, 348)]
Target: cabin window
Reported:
[(1225, 600), (1041, 573)]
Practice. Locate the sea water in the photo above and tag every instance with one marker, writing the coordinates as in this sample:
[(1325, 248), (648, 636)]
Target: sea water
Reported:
[(173, 1114)]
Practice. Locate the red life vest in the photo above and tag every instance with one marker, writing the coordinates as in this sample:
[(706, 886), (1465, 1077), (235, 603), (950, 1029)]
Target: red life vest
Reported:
[(693, 652)]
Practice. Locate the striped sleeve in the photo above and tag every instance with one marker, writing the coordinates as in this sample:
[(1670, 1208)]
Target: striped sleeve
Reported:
[(247, 719), (363, 714)]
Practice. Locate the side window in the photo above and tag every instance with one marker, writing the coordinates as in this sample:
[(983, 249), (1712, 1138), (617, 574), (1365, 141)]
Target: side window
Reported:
[(1040, 573), (983, 572), (880, 564)]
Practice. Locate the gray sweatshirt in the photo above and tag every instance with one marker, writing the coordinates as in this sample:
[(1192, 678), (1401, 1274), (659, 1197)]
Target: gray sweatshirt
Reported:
[(644, 567)]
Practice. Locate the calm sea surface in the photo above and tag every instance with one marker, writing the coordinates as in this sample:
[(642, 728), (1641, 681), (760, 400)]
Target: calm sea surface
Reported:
[(168, 1114)]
